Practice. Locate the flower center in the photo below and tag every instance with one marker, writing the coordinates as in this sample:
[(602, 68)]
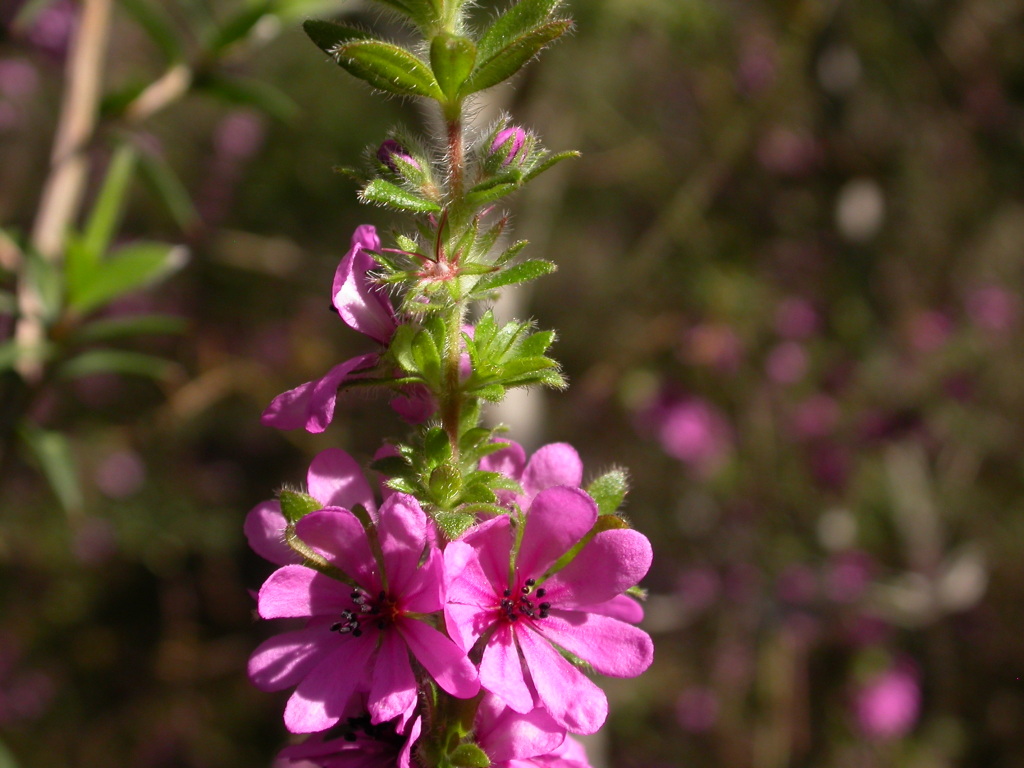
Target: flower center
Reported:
[(523, 604), (381, 611)]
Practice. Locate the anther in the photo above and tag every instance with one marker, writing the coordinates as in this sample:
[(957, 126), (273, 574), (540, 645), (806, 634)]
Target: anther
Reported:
[(545, 606), (531, 582), (357, 632), (541, 592), (507, 593)]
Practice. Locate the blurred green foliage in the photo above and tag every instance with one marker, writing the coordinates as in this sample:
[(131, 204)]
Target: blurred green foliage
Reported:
[(788, 302)]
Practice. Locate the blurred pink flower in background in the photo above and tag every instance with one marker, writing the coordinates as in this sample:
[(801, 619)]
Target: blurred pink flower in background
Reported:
[(887, 707), (696, 433), (788, 152), (816, 416), (993, 308), (798, 584), (758, 63), (929, 330), (848, 576), (796, 318), (786, 363), (698, 587), (53, 27)]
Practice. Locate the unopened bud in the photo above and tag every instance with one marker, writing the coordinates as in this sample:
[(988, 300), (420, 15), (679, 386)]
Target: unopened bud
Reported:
[(391, 151), (508, 143)]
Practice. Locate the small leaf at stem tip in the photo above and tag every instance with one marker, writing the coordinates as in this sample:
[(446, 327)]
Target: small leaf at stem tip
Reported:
[(117, 361), (385, 193), (516, 21), (452, 58), (453, 524), (53, 452), (514, 56), (295, 505), (389, 68), (423, 13)]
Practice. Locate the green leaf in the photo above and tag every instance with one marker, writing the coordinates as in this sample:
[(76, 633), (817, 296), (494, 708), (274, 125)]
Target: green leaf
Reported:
[(516, 274), (53, 452), (400, 348), (329, 35), (436, 447), (512, 57), (128, 269), (469, 756), (385, 193), (537, 343), (295, 505), (106, 213), (155, 23), (452, 58), (453, 524), (609, 490), (427, 358), (392, 466), (116, 361), (511, 252), (8, 303), (514, 23), (389, 68), (237, 27), (548, 163), (250, 92), (133, 325), (165, 183)]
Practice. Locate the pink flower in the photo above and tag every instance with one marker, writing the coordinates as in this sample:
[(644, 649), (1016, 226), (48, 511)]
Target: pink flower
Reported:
[(696, 433), (887, 707), (334, 479), (505, 597), (364, 307), (551, 465), (359, 635), (358, 743), (508, 737)]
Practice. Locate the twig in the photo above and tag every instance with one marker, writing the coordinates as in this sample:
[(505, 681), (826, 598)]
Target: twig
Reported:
[(62, 191)]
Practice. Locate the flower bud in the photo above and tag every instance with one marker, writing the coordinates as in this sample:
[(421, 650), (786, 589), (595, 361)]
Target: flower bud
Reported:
[(393, 155), (507, 144)]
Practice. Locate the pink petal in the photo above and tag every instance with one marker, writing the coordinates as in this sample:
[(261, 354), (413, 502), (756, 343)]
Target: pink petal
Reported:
[(508, 461), (393, 686), (335, 479), (553, 464), (443, 659), (405, 756), (402, 530), (566, 693), (558, 518), (504, 734), (610, 563), (610, 646), (339, 536), (284, 659), (466, 623), (424, 593), (311, 405), (296, 591), (264, 528), (415, 404), (363, 305), (320, 699), (469, 582), (621, 607), (492, 542), (501, 671)]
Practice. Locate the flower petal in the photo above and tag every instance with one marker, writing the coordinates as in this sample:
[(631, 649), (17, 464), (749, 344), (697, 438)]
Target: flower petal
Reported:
[(508, 461), (553, 464), (466, 623), (393, 686), (311, 405), (296, 591), (501, 671), (469, 581), (282, 660), (339, 536), (621, 607), (264, 528), (362, 304), (442, 658), (402, 530), (558, 518), (335, 479), (424, 593), (320, 699), (610, 646), (504, 734), (566, 693), (610, 563)]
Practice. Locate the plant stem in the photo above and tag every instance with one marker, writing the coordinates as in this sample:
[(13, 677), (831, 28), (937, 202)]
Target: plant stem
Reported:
[(62, 191)]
